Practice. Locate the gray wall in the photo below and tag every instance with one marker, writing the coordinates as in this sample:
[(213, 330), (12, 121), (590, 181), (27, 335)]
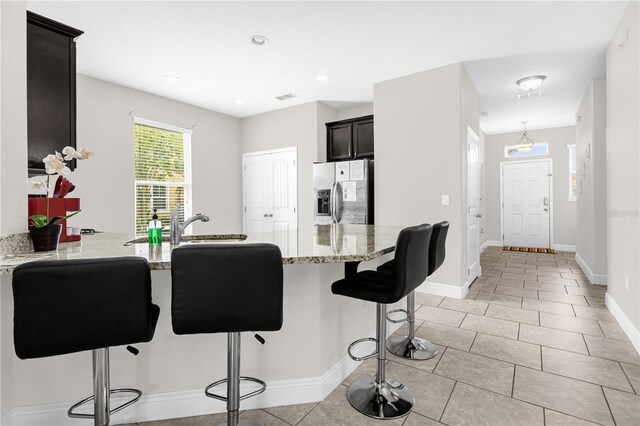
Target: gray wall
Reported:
[(420, 128), (106, 180), (623, 167), (13, 165), (591, 219), (564, 211)]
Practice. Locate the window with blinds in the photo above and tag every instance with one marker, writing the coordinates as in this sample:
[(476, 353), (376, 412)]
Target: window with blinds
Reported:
[(573, 172), (162, 162)]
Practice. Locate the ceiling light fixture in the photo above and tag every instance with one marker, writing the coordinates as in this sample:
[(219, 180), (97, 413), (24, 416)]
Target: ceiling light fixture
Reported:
[(322, 77), (532, 82), (525, 143), (172, 78), (239, 101), (259, 40)]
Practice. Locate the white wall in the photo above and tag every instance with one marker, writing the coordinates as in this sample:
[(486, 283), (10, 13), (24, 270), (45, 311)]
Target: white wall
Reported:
[(591, 219), (105, 183), (564, 211), (483, 189), (420, 130), (623, 171), (13, 164), (353, 112)]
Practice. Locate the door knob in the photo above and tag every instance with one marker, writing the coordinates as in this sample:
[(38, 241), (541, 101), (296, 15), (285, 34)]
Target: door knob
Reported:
[(479, 215), (271, 215), (546, 209), (265, 215)]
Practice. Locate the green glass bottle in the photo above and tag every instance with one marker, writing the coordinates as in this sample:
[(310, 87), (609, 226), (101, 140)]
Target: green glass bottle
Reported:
[(155, 230)]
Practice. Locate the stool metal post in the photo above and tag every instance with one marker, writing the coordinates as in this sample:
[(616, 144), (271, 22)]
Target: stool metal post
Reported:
[(410, 346), (233, 376), (380, 398), (101, 387)]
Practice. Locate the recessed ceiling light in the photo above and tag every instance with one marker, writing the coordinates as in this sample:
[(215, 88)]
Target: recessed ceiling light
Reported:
[(532, 82), (172, 78), (239, 101), (259, 40), (322, 77)]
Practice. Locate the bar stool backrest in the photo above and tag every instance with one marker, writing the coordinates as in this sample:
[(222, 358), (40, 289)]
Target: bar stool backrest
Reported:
[(412, 248), (66, 306), (437, 246), (226, 288)]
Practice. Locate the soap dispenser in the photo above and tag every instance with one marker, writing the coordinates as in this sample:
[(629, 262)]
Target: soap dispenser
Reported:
[(155, 230)]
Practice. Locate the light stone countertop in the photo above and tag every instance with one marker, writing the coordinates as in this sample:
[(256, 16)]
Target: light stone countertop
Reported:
[(318, 244)]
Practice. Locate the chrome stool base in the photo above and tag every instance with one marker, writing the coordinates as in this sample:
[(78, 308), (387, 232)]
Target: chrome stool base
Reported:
[(411, 348), (388, 400)]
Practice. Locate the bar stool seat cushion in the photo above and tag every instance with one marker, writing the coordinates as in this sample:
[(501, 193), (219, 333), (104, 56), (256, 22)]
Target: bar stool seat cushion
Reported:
[(66, 306), (226, 288), (366, 285)]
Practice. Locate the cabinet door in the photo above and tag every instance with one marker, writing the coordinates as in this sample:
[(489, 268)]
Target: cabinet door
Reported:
[(339, 145), (363, 139)]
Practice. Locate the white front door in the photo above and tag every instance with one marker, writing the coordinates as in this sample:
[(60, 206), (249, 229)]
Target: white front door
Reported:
[(270, 193), (526, 203), (473, 206)]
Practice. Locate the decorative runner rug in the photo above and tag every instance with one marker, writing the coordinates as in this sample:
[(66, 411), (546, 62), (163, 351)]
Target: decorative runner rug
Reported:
[(530, 249)]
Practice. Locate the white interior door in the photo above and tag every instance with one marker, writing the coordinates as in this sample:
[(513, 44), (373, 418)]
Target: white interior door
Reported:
[(473, 206), (526, 203), (270, 193)]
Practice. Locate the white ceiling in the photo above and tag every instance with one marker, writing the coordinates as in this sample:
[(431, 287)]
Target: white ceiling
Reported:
[(357, 44)]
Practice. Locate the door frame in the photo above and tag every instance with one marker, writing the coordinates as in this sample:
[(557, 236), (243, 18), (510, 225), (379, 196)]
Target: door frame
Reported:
[(472, 135), (246, 155), (551, 201)]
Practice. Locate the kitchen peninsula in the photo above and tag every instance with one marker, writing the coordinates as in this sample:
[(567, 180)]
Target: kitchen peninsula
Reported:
[(303, 362)]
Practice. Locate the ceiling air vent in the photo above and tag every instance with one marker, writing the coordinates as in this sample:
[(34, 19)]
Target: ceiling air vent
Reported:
[(286, 96)]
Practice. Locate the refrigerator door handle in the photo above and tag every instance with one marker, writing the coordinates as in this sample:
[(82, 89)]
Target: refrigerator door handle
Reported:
[(338, 205), (331, 202)]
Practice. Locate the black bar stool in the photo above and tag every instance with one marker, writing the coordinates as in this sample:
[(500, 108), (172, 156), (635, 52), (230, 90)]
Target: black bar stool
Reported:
[(66, 306), (380, 397), (227, 288), (410, 346)]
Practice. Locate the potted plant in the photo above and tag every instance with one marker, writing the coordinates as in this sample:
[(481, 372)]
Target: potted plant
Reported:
[(43, 228)]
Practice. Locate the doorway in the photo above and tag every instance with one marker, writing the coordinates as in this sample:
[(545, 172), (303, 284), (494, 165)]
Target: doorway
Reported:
[(270, 193), (526, 207), (473, 206)]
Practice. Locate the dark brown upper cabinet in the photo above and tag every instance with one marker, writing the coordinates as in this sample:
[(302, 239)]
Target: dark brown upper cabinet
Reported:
[(51, 89), (350, 139)]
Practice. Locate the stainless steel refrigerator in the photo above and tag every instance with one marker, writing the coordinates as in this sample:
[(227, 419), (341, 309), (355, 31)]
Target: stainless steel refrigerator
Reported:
[(343, 192)]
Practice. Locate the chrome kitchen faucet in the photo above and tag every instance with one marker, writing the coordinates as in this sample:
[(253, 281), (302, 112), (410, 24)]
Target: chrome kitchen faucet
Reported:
[(176, 230)]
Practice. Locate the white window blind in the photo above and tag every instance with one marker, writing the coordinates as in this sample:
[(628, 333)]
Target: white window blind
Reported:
[(573, 172), (162, 162)]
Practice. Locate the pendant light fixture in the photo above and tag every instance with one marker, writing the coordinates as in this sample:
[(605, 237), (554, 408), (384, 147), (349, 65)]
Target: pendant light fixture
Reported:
[(525, 143)]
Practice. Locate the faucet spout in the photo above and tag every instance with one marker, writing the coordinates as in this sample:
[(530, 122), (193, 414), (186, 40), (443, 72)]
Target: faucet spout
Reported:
[(176, 229)]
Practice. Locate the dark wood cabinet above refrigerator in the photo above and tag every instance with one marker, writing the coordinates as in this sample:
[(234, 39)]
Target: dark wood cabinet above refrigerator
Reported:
[(350, 139), (51, 89)]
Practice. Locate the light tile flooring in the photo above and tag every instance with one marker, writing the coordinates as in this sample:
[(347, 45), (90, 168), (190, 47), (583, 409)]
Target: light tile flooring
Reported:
[(532, 344)]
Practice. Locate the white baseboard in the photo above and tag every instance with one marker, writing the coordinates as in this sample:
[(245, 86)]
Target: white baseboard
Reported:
[(629, 328), (490, 243), (564, 247), (171, 405), (448, 290), (593, 278)]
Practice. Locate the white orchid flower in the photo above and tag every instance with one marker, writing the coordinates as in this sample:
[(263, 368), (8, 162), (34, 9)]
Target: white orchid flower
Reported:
[(70, 153), (84, 153), (54, 163)]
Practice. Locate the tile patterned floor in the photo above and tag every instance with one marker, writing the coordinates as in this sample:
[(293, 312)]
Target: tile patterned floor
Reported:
[(532, 344)]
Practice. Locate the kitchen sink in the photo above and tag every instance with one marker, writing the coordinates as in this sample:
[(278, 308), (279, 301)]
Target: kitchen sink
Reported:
[(204, 238)]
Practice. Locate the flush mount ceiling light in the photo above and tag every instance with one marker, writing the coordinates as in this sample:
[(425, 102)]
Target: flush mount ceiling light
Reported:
[(532, 82), (172, 78), (258, 40), (322, 77), (525, 143)]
